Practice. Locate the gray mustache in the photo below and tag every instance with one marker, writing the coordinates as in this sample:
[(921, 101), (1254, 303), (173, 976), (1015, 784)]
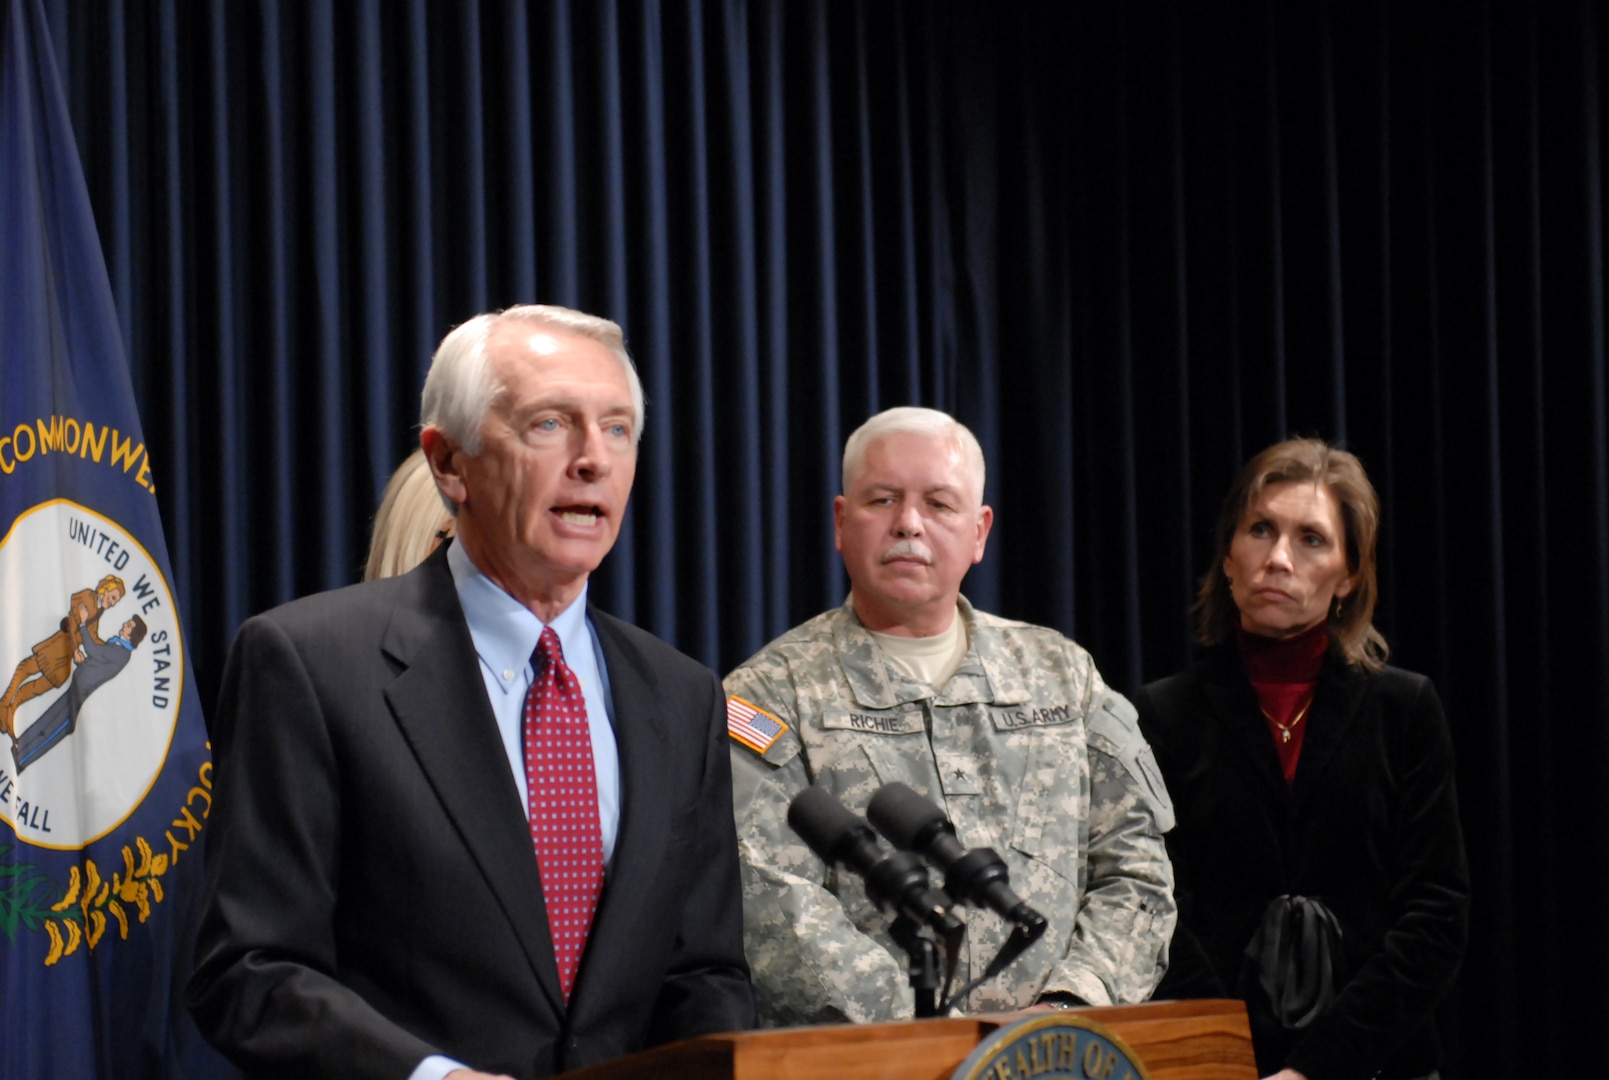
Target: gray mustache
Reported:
[(908, 549)]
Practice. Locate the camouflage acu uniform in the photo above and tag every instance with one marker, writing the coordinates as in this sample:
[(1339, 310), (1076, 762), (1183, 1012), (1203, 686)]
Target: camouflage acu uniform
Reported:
[(1026, 750)]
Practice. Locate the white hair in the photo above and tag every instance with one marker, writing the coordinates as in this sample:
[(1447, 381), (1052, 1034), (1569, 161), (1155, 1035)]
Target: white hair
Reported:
[(912, 420), (460, 389)]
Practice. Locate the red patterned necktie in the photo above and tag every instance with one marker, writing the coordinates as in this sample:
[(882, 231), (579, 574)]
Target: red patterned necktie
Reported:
[(562, 803)]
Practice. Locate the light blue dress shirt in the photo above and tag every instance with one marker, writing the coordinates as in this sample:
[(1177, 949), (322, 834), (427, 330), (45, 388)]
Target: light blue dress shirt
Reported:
[(505, 633)]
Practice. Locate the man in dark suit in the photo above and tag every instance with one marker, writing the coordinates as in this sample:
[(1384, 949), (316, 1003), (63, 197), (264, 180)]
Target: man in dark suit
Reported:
[(396, 887)]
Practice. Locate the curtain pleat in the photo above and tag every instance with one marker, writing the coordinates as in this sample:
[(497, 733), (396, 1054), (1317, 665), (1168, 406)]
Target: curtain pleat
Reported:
[(1128, 244)]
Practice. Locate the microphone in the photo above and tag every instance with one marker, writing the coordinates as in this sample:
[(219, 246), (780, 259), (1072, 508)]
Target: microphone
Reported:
[(978, 876), (894, 883)]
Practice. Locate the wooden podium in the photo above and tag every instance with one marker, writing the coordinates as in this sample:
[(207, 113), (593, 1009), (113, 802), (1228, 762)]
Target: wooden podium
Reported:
[(1176, 1040)]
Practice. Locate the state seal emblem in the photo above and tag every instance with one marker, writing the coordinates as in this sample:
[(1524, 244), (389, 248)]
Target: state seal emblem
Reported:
[(1053, 1046), (91, 672)]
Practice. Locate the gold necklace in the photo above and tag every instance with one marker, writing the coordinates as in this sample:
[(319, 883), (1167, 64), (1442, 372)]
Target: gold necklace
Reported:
[(1285, 729)]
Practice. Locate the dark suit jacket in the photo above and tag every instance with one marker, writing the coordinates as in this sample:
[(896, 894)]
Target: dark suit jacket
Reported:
[(1370, 827), (372, 894)]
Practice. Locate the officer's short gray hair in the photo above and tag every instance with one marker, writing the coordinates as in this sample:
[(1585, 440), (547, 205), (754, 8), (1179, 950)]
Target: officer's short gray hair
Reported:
[(912, 420)]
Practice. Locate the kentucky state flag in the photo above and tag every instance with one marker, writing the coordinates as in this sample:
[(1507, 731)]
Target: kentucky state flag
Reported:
[(105, 777)]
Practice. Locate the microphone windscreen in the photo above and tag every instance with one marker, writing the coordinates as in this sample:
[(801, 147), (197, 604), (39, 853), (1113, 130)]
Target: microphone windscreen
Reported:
[(903, 817), (821, 821)]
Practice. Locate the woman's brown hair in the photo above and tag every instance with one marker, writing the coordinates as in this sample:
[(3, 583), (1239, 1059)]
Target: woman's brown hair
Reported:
[(1298, 461)]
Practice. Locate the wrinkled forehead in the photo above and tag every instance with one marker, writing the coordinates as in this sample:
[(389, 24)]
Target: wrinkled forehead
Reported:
[(515, 348), (527, 337), (528, 356), (1312, 500)]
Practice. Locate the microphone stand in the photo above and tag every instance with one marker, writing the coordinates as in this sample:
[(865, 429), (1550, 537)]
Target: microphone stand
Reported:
[(885, 889), (978, 877), (922, 962), (897, 883)]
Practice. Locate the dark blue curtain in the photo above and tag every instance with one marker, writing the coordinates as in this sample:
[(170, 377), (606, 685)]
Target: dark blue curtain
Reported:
[(1128, 244)]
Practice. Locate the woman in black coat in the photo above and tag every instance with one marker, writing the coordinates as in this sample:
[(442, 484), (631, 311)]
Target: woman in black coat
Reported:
[(1319, 860)]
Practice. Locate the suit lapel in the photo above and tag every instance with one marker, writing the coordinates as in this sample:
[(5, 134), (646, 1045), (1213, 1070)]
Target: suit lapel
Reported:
[(1335, 708), (645, 820), (1234, 705), (439, 702)]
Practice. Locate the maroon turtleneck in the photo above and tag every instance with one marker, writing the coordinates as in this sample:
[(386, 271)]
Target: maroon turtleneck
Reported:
[(1285, 672)]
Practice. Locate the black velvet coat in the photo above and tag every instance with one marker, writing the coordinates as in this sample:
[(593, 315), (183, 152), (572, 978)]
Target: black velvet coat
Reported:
[(1369, 827)]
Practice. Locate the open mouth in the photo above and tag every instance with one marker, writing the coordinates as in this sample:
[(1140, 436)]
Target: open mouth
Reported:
[(578, 515)]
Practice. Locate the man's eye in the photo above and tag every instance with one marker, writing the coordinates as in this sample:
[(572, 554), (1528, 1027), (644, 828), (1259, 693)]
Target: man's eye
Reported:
[(547, 424)]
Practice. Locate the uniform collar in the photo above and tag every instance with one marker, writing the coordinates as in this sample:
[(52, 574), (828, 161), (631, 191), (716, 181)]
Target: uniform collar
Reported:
[(986, 675)]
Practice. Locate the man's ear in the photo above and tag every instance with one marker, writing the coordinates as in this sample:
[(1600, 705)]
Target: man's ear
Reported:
[(985, 523), (443, 455)]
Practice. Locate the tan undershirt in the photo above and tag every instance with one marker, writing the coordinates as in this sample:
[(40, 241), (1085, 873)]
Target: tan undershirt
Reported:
[(930, 660)]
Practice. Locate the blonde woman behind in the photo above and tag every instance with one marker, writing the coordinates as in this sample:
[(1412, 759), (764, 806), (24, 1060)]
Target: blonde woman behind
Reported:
[(411, 523)]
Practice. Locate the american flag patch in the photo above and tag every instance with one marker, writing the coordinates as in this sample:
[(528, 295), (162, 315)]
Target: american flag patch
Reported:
[(751, 725)]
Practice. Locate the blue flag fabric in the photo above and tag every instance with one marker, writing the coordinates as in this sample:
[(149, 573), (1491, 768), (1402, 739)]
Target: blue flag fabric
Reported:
[(105, 777)]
